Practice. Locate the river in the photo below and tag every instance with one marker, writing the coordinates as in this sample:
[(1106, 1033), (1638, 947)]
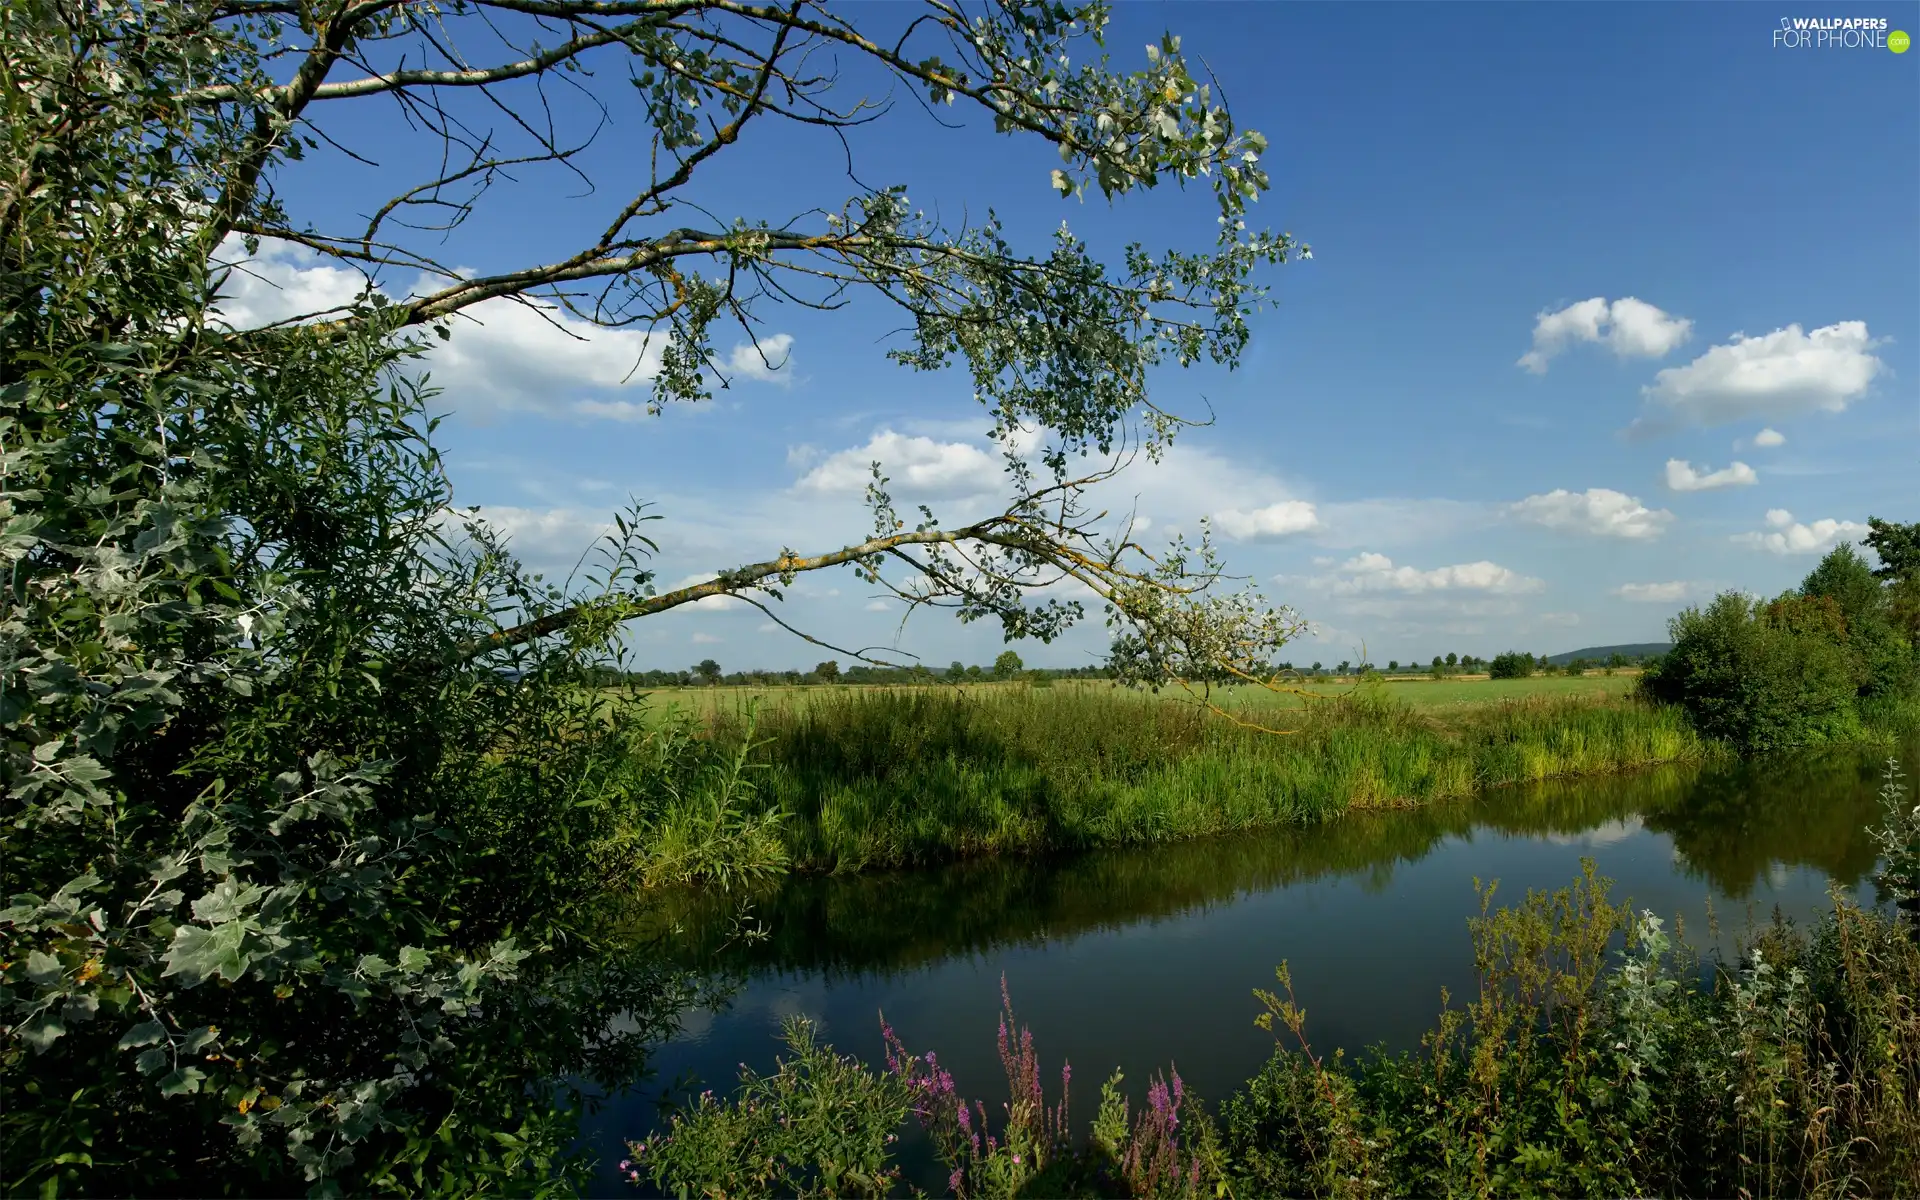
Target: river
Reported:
[(1145, 958)]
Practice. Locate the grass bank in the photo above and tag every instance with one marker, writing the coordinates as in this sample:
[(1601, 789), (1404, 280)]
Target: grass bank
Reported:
[(900, 777)]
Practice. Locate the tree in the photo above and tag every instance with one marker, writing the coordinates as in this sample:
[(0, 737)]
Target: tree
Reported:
[(956, 670), (1616, 659), (1059, 343), (1898, 547), (1393, 664), (1007, 665), (1758, 677), (302, 890), (827, 672), (1883, 658), (1452, 660), (1316, 668), (1513, 664), (708, 671)]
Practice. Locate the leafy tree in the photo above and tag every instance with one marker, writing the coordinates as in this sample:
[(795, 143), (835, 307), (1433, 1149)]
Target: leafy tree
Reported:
[(1344, 664), (1060, 343), (1451, 659), (1616, 659), (1007, 665), (956, 670), (1513, 664), (301, 892), (1759, 677), (1883, 658), (1898, 547), (827, 672), (1393, 664), (708, 671), (310, 807)]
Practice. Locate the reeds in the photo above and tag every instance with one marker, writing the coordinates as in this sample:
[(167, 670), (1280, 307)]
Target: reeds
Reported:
[(892, 778)]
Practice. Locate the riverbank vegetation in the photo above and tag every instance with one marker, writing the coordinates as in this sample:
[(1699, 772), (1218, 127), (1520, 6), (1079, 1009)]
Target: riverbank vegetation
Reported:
[(898, 778), (1598, 1055), (1828, 661)]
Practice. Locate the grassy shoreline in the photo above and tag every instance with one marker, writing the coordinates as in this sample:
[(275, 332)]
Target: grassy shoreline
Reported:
[(897, 778)]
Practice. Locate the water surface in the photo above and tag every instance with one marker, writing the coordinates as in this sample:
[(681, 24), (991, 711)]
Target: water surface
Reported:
[(1145, 957)]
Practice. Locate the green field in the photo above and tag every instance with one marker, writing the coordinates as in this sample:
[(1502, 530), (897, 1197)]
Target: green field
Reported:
[(1417, 691), (853, 777)]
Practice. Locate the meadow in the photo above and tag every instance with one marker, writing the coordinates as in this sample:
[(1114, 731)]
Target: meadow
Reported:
[(845, 779), (1418, 691)]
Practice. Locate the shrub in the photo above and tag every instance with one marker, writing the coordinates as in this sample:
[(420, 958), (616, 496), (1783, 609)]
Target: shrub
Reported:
[(1758, 678), (1511, 665), (1788, 1072)]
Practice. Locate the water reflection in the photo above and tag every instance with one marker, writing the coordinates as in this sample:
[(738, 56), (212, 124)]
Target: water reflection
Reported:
[(1138, 957), (1732, 826)]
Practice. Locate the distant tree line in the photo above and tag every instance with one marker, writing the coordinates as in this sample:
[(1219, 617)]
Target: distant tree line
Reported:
[(708, 673), (1008, 666)]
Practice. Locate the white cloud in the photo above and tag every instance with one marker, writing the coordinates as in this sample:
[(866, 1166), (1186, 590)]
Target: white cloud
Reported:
[(919, 465), (1683, 476), (770, 361), (551, 541), (1769, 437), (1655, 593), (1369, 572), (1630, 327), (876, 606), (706, 639), (505, 355), (1780, 374), (1792, 537), (1601, 512), (1558, 620), (1274, 521), (284, 282)]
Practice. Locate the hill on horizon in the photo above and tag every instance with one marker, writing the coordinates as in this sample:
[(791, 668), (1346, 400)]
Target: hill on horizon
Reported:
[(1601, 653)]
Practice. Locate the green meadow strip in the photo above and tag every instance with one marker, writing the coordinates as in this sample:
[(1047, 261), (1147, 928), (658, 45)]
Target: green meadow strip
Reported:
[(896, 778)]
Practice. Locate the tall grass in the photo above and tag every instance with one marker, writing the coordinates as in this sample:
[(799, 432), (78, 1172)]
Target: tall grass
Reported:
[(892, 778)]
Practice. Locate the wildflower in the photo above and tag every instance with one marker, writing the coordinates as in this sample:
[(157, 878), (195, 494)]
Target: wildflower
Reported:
[(1016, 1160), (625, 1164)]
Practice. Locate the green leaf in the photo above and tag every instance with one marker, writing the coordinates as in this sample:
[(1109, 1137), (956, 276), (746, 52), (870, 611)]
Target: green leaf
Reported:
[(44, 969), (198, 953), (225, 902), (43, 1031), (182, 1079), (144, 1034), (150, 1061), (413, 959)]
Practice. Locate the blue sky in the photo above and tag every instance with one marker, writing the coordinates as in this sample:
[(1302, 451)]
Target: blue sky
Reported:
[(1689, 235)]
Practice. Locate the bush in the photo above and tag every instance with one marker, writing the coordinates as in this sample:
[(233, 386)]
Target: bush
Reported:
[(1759, 677), (1511, 665), (1789, 1072)]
